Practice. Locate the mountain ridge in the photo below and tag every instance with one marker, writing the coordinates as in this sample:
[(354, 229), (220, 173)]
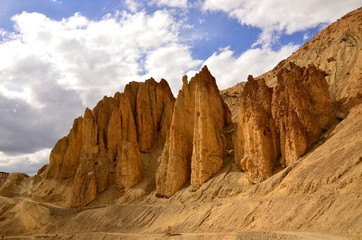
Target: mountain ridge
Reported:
[(295, 132)]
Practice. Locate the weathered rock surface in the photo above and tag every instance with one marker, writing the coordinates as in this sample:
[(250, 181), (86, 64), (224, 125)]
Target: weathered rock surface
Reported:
[(154, 111), (337, 51), (196, 144), (302, 109), (104, 147), (256, 141), (211, 115), (3, 177), (65, 155), (285, 120), (16, 184)]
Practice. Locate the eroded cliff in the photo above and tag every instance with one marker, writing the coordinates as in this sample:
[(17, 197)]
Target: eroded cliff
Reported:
[(196, 145), (104, 146), (277, 126)]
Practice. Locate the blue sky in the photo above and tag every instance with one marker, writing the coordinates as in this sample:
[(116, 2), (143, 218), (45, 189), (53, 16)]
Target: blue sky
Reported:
[(59, 56)]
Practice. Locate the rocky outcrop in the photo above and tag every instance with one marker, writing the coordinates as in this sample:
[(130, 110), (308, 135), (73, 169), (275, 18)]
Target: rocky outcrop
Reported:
[(256, 140), (153, 113), (195, 147), (337, 51), (16, 184), (286, 120), (129, 168), (65, 155), (3, 177), (211, 115), (104, 147), (302, 109)]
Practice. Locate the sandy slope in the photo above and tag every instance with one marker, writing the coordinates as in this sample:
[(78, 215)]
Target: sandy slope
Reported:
[(318, 197), (190, 236)]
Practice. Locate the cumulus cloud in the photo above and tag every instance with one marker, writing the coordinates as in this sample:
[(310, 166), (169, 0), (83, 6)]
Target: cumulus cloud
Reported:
[(171, 62), (134, 5), (25, 163), (171, 3), (51, 70), (277, 16), (229, 70), (93, 55)]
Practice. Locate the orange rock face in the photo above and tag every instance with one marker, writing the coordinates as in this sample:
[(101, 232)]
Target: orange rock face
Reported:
[(65, 155), (211, 115), (256, 139), (104, 147), (196, 145), (284, 121), (302, 109), (152, 120)]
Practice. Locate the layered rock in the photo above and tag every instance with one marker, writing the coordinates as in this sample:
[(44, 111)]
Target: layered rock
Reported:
[(302, 109), (291, 117), (65, 155), (196, 144), (211, 115), (129, 168), (3, 177), (104, 147), (256, 140), (153, 112)]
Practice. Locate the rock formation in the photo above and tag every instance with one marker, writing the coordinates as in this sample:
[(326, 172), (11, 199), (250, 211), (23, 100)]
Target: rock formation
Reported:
[(256, 140), (16, 184), (302, 109), (196, 144), (3, 177), (337, 51), (153, 112), (279, 119), (65, 155), (104, 147), (292, 115)]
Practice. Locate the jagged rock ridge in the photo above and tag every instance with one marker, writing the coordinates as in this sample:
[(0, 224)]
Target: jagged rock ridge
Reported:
[(337, 51), (256, 140), (274, 129), (302, 109), (284, 121), (320, 192), (196, 145), (104, 147)]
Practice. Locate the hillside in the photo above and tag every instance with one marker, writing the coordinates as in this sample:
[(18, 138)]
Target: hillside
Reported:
[(276, 157)]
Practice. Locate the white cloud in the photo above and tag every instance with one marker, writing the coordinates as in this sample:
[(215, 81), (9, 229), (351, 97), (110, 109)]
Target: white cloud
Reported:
[(171, 62), (306, 36), (170, 3), (277, 16), (229, 70), (83, 55), (25, 163), (51, 70), (133, 5)]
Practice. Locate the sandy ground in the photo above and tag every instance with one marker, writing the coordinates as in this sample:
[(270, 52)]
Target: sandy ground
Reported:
[(191, 236)]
